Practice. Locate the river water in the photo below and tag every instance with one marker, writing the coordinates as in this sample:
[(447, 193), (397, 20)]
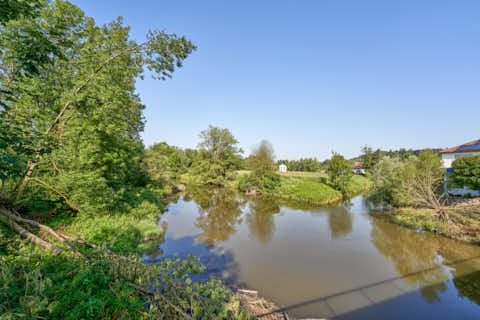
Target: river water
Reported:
[(324, 262)]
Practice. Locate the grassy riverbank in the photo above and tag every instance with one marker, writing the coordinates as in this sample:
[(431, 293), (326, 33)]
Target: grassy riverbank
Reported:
[(313, 187), (463, 220)]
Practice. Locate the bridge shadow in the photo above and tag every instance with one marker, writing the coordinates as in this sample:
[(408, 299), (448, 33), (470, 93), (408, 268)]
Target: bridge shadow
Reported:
[(394, 299)]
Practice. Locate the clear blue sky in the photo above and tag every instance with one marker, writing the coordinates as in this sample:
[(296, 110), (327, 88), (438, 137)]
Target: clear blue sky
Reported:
[(313, 76)]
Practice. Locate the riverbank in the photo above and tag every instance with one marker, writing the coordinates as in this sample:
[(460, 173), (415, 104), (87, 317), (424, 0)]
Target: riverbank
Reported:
[(106, 278), (463, 221), (313, 187)]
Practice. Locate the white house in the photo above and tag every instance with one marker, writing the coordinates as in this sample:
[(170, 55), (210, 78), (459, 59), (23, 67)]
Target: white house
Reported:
[(451, 154), (282, 168)]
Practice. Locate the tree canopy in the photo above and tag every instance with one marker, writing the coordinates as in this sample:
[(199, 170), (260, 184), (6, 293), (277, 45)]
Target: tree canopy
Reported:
[(219, 155), (466, 172), (339, 172), (80, 111)]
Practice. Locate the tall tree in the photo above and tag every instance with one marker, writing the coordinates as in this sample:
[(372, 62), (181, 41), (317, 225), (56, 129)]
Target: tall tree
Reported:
[(339, 172), (262, 159), (220, 155), (78, 110)]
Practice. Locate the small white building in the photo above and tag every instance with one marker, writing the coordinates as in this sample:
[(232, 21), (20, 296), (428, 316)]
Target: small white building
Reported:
[(282, 168), (450, 155)]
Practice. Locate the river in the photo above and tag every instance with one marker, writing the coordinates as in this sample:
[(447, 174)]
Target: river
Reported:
[(324, 262)]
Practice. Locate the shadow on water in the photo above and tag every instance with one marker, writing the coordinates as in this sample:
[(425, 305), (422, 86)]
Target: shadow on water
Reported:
[(372, 306), (218, 262)]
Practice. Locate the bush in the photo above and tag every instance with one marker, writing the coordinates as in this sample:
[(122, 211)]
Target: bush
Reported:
[(35, 284), (386, 179), (267, 183), (466, 172)]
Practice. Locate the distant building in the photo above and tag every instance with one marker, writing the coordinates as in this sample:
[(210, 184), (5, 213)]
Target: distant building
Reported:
[(282, 168), (358, 168), (450, 155)]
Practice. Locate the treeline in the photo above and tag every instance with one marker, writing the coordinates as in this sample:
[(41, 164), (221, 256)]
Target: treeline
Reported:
[(213, 162), (369, 157), (304, 164)]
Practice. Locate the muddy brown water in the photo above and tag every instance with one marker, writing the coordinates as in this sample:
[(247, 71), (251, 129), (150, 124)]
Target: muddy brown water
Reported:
[(332, 262)]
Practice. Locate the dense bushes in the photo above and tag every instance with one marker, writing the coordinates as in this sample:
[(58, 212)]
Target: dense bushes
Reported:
[(466, 172), (416, 181), (266, 183), (38, 285), (386, 181)]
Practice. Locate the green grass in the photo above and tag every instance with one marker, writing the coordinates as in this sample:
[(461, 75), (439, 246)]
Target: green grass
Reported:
[(314, 187), (359, 184), (307, 189)]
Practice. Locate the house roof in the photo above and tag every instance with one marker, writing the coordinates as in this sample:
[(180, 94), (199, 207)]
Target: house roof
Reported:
[(357, 164), (467, 147)]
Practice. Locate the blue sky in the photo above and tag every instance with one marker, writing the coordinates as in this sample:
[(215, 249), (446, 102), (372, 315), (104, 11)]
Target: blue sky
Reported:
[(313, 76)]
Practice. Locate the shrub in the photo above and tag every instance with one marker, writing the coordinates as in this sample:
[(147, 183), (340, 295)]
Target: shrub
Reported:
[(386, 179), (339, 173), (267, 182), (466, 172)]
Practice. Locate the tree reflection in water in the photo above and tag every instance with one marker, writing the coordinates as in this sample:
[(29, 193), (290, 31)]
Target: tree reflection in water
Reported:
[(220, 211), (260, 218), (419, 257), (415, 256), (340, 220)]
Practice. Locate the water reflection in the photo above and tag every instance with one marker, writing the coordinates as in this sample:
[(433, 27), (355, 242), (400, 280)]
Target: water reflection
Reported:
[(260, 218), (219, 212), (340, 221)]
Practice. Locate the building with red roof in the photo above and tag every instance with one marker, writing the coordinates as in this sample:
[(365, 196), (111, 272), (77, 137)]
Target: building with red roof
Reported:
[(451, 154)]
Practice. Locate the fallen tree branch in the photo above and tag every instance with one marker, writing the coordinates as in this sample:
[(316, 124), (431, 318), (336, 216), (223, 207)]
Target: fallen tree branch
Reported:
[(27, 234), (41, 227), (157, 294)]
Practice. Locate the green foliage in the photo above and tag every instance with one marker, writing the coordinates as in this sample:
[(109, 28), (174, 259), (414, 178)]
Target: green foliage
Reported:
[(304, 164), (15, 9), (307, 189), (370, 158), (262, 159), (466, 172), (386, 177), (37, 285), (219, 156), (339, 173), (416, 181), (164, 162), (267, 183)]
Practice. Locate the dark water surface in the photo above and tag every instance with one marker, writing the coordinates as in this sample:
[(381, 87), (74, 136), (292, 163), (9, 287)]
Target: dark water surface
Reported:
[(324, 262)]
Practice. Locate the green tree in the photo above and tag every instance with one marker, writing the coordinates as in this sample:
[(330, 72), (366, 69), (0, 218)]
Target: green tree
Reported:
[(86, 104), (77, 125), (219, 156), (339, 172), (422, 179), (262, 159), (386, 178), (466, 172), (367, 157)]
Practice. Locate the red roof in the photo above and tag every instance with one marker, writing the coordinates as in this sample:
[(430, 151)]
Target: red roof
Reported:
[(357, 164), (467, 147)]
